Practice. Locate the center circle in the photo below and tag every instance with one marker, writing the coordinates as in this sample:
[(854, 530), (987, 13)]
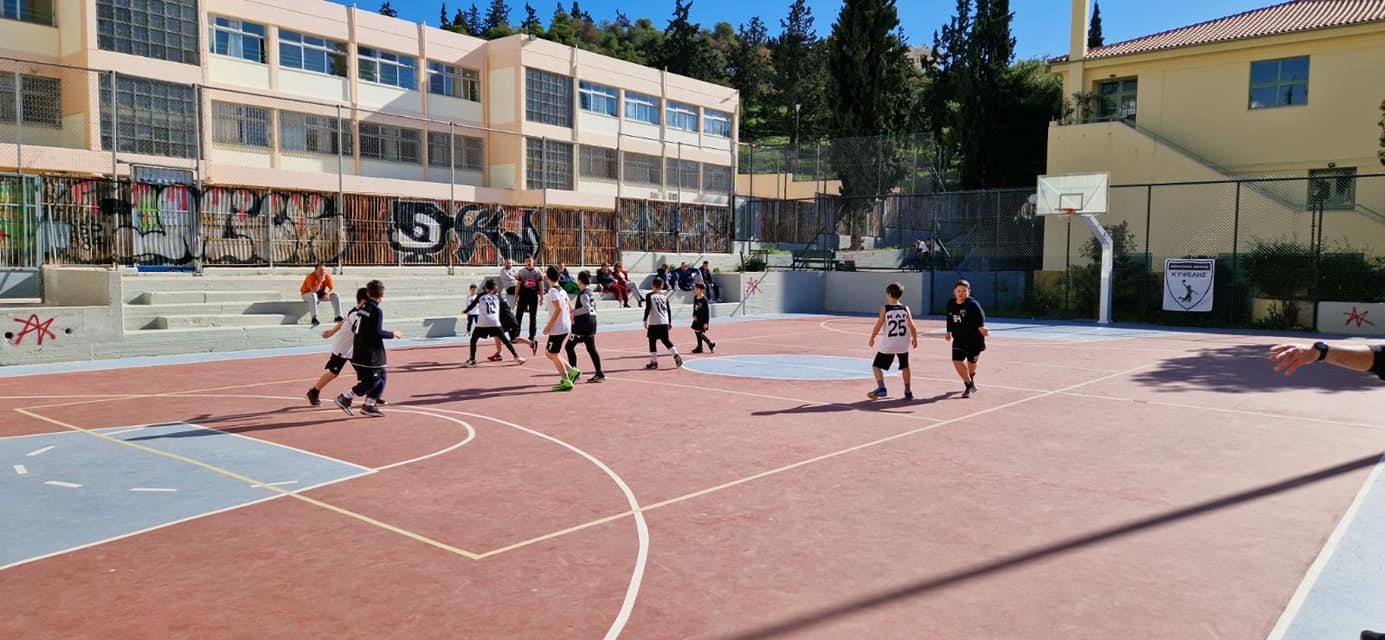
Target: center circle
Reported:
[(784, 367)]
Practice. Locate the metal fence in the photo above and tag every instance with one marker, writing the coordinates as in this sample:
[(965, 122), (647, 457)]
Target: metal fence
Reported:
[(171, 171), (905, 163)]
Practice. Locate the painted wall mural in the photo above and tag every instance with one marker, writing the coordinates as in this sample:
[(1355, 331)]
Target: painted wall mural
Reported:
[(95, 221)]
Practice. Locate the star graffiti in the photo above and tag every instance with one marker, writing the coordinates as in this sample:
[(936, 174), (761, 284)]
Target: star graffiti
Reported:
[(752, 286), (1358, 317), (33, 325)]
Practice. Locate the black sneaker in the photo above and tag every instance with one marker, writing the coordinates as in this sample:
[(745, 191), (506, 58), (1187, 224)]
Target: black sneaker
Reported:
[(372, 411), (314, 397), (534, 346), (315, 323), (596, 378), (336, 319), (678, 360), (972, 386), (697, 350), (344, 404), (1372, 635), (652, 365), (712, 346), (382, 402), (966, 393)]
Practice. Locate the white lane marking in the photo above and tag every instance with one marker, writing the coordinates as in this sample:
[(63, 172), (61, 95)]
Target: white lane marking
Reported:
[(65, 485), (21, 470), (39, 452), (152, 490), (274, 484)]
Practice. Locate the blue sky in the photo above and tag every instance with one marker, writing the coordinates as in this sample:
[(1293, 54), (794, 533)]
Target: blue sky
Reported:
[(1041, 26)]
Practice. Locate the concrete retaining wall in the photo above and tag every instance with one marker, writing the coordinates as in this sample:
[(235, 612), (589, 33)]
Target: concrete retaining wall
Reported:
[(862, 292)]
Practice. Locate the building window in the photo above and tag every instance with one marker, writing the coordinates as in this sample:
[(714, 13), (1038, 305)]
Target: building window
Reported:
[(1332, 189), (599, 163), (643, 169), (641, 108), (716, 178), (311, 53), (471, 152), (162, 29), (152, 117), (455, 82), (238, 39), (395, 144), (548, 98), (1279, 83), (548, 169), (681, 171), (1117, 99), (35, 11), (716, 123), (240, 124), (682, 116), (387, 68), (307, 133), (598, 98), (42, 96)]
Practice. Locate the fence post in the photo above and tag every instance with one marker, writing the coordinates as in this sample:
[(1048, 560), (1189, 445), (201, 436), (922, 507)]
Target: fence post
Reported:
[(1149, 252), (269, 237), (582, 238), (197, 183), (543, 192), (1235, 253), (452, 191), (115, 169), (341, 191), (1067, 269)]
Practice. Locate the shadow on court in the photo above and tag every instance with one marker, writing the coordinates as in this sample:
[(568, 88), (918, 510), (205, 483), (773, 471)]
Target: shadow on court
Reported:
[(1246, 368), (881, 406), (804, 622)]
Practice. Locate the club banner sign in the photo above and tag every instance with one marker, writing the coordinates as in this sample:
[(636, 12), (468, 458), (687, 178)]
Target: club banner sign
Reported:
[(1188, 284)]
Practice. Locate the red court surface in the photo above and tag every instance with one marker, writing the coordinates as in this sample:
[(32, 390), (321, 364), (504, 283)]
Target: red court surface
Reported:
[(1165, 486)]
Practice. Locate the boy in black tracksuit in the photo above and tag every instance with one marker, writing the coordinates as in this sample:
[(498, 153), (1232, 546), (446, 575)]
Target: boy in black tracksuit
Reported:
[(966, 330), (702, 318), (368, 353)]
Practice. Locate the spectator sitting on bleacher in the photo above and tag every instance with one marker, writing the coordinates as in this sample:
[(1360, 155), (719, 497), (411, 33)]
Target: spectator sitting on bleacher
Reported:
[(684, 276), (713, 289), (565, 280), (621, 286)]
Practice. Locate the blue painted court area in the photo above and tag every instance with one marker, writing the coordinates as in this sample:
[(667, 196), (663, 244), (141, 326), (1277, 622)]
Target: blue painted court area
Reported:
[(784, 367), (1067, 332), (61, 491), (1349, 594)]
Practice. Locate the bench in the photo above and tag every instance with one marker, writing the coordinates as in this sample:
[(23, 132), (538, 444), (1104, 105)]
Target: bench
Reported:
[(826, 259)]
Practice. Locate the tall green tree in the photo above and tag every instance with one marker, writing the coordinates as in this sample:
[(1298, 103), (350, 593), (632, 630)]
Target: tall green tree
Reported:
[(869, 81), (561, 28), (751, 72), (531, 25), (796, 106), (387, 10), (472, 22), (1094, 37), (497, 23), (443, 21), (968, 85), (686, 49)]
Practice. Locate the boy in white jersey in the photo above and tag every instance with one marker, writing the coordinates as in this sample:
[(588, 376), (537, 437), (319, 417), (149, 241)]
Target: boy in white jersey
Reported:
[(558, 327), (900, 336), (584, 327), (345, 333), (487, 308), (656, 322)]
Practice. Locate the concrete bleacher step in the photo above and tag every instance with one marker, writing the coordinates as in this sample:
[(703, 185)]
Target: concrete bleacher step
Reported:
[(215, 321), (203, 296)]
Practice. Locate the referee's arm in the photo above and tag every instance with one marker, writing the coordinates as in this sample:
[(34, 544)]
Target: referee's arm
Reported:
[(1357, 357)]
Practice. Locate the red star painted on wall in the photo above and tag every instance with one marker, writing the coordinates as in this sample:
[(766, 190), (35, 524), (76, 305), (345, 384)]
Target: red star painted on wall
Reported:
[(34, 325), (1359, 317), (752, 286)]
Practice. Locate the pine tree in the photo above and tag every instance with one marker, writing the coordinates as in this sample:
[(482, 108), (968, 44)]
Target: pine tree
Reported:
[(578, 14), (869, 80), (561, 28), (388, 11), (686, 49), (459, 23), (473, 22), (443, 22), (797, 104), (1094, 37), (497, 23), (751, 73), (531, 24)]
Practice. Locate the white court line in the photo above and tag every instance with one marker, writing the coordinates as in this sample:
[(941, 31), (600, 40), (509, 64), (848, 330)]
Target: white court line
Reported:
[(275, 484), (261, 440), (39, 452), (21, 470), (1243, 412), (65, 485), (1315, 570), (152, 490)]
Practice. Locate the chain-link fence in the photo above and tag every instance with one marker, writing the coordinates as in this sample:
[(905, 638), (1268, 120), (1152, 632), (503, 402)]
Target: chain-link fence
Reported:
[(172, 171), (904, 163)]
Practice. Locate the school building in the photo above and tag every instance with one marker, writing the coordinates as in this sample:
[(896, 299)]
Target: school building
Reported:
[(315, 96), (1291, 91)]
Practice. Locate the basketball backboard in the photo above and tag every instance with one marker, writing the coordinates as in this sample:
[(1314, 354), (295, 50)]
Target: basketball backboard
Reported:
[(1073, 194)]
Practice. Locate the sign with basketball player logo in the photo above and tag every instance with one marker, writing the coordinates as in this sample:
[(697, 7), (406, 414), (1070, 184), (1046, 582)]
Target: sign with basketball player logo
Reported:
[(1188, 284)]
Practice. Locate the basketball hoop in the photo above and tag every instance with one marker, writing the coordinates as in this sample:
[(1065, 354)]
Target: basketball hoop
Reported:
[(1068, 211)]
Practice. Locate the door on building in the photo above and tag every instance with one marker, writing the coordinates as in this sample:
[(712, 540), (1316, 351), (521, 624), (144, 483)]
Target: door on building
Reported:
[(1118, 99)]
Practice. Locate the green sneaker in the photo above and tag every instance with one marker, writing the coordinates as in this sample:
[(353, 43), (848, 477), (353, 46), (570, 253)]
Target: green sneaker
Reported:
[(573, 373), (565, 385)]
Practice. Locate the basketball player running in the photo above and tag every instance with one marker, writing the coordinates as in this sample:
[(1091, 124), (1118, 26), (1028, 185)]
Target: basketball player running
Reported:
[(900, 336)]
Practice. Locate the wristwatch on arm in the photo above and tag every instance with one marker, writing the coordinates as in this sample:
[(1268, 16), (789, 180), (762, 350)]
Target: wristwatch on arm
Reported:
[(1322, 350)]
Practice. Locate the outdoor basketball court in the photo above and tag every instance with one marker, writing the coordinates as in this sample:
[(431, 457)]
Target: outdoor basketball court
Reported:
[(1103, 482)]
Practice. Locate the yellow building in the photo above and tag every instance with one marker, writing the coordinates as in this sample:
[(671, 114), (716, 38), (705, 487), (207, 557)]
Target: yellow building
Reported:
[(1291, 90), (313, 95)]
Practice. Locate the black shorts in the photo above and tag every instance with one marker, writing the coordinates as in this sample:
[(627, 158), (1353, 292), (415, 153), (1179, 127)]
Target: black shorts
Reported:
[(335, 364), (482, 333), (965, 352), (657, 332), (884, 360), (555, 343)]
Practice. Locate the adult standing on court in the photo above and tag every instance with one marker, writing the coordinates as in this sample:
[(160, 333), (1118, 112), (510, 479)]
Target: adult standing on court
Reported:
[(317, 287), (1357, 357), (531, 284), (507, 279)]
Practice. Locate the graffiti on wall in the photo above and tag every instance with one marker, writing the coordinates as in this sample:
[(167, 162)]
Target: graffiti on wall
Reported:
[(420, 231), (40, 328)]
